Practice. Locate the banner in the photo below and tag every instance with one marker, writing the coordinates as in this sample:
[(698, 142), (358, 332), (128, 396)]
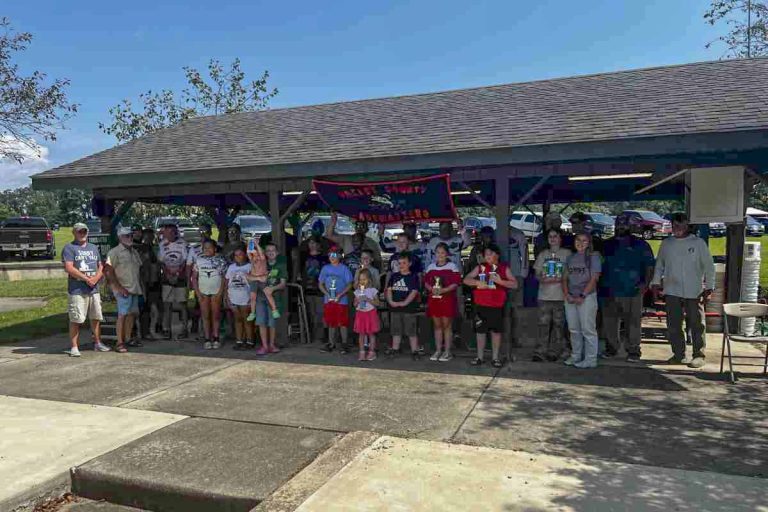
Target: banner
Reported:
[(389, 202)]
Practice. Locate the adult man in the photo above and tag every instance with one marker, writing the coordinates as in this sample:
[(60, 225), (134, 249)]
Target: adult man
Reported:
[(628, 266), (352, 245), (173, 260), (137, 234), (82, 263), (685, 270), (552, 220), (417, 248), (123, 270), (448, 237), (518, 268)]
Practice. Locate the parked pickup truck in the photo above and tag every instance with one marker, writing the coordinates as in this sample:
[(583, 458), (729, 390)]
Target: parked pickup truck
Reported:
[(26, 236)]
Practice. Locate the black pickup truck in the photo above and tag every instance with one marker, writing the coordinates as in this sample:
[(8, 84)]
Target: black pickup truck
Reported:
[(26, 236)]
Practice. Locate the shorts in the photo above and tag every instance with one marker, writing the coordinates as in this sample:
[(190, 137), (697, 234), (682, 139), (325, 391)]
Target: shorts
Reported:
[(488, 319), (403, 323), (256, 286), (264, 313), (127, 305), (175, 294), (442, 308), (81, 307), (335, 315)]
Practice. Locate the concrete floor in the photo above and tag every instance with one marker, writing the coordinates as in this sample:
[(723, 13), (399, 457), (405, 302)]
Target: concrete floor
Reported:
[(651, 414)]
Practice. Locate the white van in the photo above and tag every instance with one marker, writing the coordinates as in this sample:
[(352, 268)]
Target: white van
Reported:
[(532, 223)]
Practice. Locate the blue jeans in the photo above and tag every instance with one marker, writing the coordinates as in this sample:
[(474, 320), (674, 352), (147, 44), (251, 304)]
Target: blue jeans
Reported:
[(582, 323)]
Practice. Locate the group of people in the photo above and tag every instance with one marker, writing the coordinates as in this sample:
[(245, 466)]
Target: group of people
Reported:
[(592, 287)]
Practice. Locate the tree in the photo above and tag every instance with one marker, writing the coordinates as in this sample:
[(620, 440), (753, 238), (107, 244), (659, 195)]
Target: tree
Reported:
[(222, 92), (747, 30), (30, 107)]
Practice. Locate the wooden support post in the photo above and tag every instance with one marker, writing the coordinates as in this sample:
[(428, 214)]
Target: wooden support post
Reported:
[(734, 259), (501, 211)]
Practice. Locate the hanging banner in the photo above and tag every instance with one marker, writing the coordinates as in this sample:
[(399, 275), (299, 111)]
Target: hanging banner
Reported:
[(388, 202)]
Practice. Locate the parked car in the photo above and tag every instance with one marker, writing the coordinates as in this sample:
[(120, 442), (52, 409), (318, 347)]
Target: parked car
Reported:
[(188, 231), (600, 225), (344, 226), (26, 236), (761, 220), (648, 224), (531, 223), (753, 227), (253, 226), (716, 229), (473, 225)]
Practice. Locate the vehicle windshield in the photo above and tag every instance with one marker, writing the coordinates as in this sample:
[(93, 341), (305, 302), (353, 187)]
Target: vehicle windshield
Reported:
[(751, 220), (651, 216), (255, 223), (24, 223), (601, 218), (487, 221), (182, 223)]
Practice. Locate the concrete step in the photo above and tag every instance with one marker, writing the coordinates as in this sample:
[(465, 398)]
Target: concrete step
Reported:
[(200, 465)]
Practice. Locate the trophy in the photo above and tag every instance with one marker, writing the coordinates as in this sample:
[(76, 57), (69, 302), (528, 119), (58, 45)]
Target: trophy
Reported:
[(436, 289), (363, 302), (332, 289), (482, 277), (492, 284)]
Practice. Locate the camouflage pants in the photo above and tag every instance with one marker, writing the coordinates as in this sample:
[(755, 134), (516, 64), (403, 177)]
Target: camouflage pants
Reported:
[(551, 324)]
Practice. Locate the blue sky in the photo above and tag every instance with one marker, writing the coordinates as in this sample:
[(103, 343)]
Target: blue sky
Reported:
[(320, 52)]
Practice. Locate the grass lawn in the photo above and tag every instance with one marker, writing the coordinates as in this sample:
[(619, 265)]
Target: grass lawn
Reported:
[(37, 322)]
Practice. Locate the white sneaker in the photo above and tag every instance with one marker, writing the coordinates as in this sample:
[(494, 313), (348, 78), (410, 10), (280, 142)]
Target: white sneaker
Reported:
[(207, 345), (216, 344), (435, 356), (569, 362), (73, 352), (585, 364), (447, 356), (100, 347)]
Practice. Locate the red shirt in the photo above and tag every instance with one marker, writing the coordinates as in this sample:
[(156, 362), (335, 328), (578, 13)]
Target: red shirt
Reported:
[(491, 297), (445, 306)]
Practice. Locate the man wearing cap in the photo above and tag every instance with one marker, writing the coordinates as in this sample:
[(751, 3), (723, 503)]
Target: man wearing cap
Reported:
[(626, 273), (123, 270), (552, 220), (685, 274), (352, 245), (417, 248), (173, 260), (82, 263)]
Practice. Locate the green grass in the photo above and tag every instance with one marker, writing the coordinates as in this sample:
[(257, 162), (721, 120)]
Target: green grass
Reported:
[(37, 322)]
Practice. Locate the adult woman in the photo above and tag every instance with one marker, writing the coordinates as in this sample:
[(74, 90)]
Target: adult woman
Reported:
[(208, 278), (582, 270), (238, 299), (442, 279), (490, 281)]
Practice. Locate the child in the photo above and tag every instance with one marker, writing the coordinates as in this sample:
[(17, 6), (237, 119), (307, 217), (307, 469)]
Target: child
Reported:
[(277, 277), (442, 280), (490, 281), (582, 270), (258, 279), (402, 296), (549, 270), (238, 298), (366, 318), (335, 282), (366, 262)]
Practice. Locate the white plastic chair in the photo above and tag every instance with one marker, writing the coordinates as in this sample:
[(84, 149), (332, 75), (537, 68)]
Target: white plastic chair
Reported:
[(742, 310)]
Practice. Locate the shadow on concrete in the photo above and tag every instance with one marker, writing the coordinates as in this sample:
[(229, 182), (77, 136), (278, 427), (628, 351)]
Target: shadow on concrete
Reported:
[(709, 427)]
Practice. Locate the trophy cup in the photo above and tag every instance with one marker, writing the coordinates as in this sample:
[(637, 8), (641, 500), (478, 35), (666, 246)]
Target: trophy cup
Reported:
[(436, 289), (492, 284), (363, 302), (332, 289), (482, 277)]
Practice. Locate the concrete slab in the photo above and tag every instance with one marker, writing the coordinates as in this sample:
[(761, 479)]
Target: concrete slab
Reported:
[(427, 405), (200, 465), (40, 440), (314, 476), (707, 425), (414, 475), (17, 303), (100, 378), (96, 506)]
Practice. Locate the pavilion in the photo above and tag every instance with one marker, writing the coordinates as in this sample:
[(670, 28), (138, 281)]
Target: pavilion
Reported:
[(601, 137)]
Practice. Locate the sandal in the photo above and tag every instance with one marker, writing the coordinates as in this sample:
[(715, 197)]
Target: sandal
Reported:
[(121, 349), (476, 362), (496, 363)]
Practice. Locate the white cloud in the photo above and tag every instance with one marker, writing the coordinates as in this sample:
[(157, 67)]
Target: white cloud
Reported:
[(14, 174)]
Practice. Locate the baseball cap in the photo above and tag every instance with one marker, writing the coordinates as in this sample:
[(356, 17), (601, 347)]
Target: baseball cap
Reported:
[(79, 226), (124, 231), (136, 227)]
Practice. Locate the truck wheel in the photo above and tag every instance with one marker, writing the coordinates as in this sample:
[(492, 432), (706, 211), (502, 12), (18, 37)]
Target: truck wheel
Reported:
[(648, 234)]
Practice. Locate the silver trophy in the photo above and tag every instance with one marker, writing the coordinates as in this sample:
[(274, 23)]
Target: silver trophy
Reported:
[(491, 283), (332, 289), (363, 302), (436, 289)]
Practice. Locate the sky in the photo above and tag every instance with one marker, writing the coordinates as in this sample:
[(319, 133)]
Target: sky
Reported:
[(320, 52)]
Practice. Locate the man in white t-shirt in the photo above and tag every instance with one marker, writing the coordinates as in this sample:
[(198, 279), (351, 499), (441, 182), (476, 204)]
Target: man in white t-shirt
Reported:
[(173, 254)]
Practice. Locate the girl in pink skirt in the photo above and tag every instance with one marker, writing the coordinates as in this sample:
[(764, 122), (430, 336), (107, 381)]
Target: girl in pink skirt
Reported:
[(366, 317)]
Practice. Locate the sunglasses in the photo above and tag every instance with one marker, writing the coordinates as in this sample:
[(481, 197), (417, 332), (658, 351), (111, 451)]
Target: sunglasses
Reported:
[(333, 255), (81, 231)]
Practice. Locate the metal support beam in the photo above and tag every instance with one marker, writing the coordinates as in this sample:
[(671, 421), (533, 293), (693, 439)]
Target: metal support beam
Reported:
[(530, 193), (475, 195)]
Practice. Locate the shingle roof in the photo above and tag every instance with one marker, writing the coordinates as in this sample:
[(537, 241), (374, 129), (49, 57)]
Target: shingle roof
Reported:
[(722, 96)]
